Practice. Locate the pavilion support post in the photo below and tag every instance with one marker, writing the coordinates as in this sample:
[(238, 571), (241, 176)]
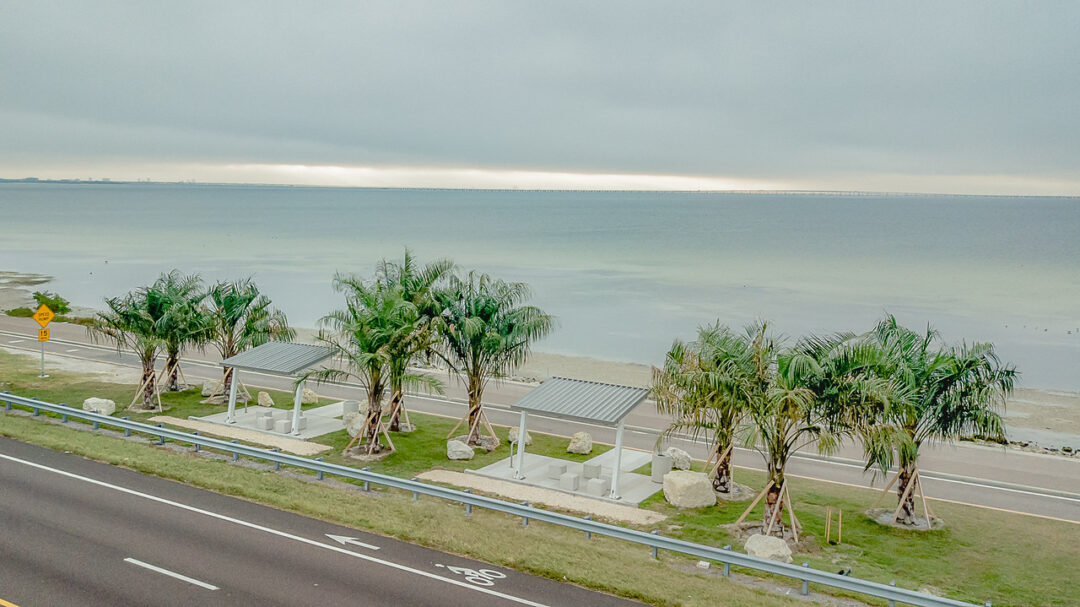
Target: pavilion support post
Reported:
[(521, 446), (618, 460), (230, 418), (296, 408)]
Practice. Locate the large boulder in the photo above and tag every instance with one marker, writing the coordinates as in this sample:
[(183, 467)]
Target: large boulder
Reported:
[(456, 449), (684, 489), (308, 397), (512, 436), (768, 547), (212, 387), (580, 442), (354, 422), (265, 400), (680, 460), (102, 406)]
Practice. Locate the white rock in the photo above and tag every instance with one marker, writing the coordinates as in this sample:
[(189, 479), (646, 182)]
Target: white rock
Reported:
[(456, 449), (308, 397), (680, 460), (265, 400), (580, 442), (768, 547), (512, 436), (103, 406), (211, 387), (684, 489), (354, 422)]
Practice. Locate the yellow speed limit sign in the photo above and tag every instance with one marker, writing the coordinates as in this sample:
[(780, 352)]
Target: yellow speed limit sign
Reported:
[(43, 335), (43, 316)]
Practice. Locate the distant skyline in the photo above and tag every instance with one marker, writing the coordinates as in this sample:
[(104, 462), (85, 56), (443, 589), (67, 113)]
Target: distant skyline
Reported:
[(955, 98)]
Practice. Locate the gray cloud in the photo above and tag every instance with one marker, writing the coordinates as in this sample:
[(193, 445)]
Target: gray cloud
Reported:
[(771, 90)]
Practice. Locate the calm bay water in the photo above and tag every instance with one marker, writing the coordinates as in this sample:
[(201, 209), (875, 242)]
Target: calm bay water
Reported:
[(623, 272)]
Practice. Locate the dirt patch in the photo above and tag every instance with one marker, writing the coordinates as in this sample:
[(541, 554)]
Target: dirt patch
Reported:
[(547, 497), (884, 516)]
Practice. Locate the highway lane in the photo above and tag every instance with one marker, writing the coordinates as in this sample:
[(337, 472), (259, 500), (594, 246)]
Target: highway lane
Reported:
[(1029, 483), (77, 532)]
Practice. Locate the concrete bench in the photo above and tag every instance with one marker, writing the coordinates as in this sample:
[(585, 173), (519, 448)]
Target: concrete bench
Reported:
[(280, 414), (264, 423), (661, 465), (591, 470), (556, 471), (302, 424), (569, 481), (282, 426), (599, 487)]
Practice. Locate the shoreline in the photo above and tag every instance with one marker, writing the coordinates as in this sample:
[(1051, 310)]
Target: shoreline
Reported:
[(1044, 417)]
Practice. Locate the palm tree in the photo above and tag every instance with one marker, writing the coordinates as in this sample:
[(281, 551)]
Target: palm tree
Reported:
[(366, 338), (240, 317), (132, 321), (941, 393), (415, 285), (697, 388), (485, 331), (184, 322), (812, 394)]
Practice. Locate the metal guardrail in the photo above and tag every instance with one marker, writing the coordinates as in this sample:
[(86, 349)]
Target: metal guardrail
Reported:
[(893, 594)]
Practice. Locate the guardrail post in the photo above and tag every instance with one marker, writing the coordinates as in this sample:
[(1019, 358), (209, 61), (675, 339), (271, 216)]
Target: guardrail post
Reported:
[(96, 426), (127, 431), (63, 416), (319, 459), (161, 437), (367, 484), (525, 519), (7, 403), (235, 455), (468, 507), (655, 550), (277, 465), (588, 534), (805, 583), (727, 565), (892, 603), (37, 412), (415, 495), (196, 445)]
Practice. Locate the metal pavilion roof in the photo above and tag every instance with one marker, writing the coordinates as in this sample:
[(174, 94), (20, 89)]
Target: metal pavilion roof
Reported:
[(582, 400), (282, 358)]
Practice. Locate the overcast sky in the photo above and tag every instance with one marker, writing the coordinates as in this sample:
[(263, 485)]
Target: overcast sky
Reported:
[(980, 97)]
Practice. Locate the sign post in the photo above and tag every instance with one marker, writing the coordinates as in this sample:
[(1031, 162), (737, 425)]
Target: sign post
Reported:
[(43, 316)]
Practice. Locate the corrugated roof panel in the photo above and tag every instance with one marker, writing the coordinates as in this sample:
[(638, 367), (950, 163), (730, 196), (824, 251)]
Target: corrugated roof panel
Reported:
[(279, 357), (582, 400)]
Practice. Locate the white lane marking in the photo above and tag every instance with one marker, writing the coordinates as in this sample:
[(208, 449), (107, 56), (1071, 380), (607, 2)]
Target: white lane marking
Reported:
[(480, 577), (72, 350), (284, 534), (344, 539), (16, 341), (174, 574)]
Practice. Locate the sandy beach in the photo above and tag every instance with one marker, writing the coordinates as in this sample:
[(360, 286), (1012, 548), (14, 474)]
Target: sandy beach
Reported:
[(1049, 418)]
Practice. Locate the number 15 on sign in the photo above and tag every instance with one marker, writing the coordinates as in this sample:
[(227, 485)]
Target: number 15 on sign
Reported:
[(43, 336)]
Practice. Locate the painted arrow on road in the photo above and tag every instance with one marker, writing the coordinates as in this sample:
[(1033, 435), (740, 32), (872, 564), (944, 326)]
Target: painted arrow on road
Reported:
[(344, 539)]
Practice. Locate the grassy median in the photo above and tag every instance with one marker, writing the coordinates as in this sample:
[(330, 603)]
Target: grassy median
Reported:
[(981, 555)]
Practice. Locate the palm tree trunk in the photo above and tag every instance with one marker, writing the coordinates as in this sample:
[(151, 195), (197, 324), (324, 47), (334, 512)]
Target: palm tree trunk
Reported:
[(172, 382), (149, 383), (476, 392), (774, 508), (395, 421), (721, 482), (907, 507)]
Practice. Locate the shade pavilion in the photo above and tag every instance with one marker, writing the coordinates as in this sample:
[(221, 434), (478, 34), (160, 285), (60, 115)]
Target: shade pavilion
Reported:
[(276, 358), (583, 401)]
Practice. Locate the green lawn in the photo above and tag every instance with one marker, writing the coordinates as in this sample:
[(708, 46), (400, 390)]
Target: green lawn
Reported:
[(981, 555)]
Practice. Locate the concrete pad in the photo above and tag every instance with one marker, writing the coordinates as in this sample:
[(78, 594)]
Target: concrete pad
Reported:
[(633, 488)]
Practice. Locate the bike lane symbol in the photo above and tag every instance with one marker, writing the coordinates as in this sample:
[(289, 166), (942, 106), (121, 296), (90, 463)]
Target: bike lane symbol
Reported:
[(480, 577)]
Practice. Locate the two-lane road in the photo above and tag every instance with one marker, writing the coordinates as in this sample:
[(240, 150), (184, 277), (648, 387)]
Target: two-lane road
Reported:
[(77, 532)]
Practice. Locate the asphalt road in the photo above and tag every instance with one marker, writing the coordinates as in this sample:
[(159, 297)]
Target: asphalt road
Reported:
[(78, 532), (1040, 485)]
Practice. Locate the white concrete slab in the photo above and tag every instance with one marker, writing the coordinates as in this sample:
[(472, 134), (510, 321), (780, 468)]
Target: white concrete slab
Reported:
[(633, 488)]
